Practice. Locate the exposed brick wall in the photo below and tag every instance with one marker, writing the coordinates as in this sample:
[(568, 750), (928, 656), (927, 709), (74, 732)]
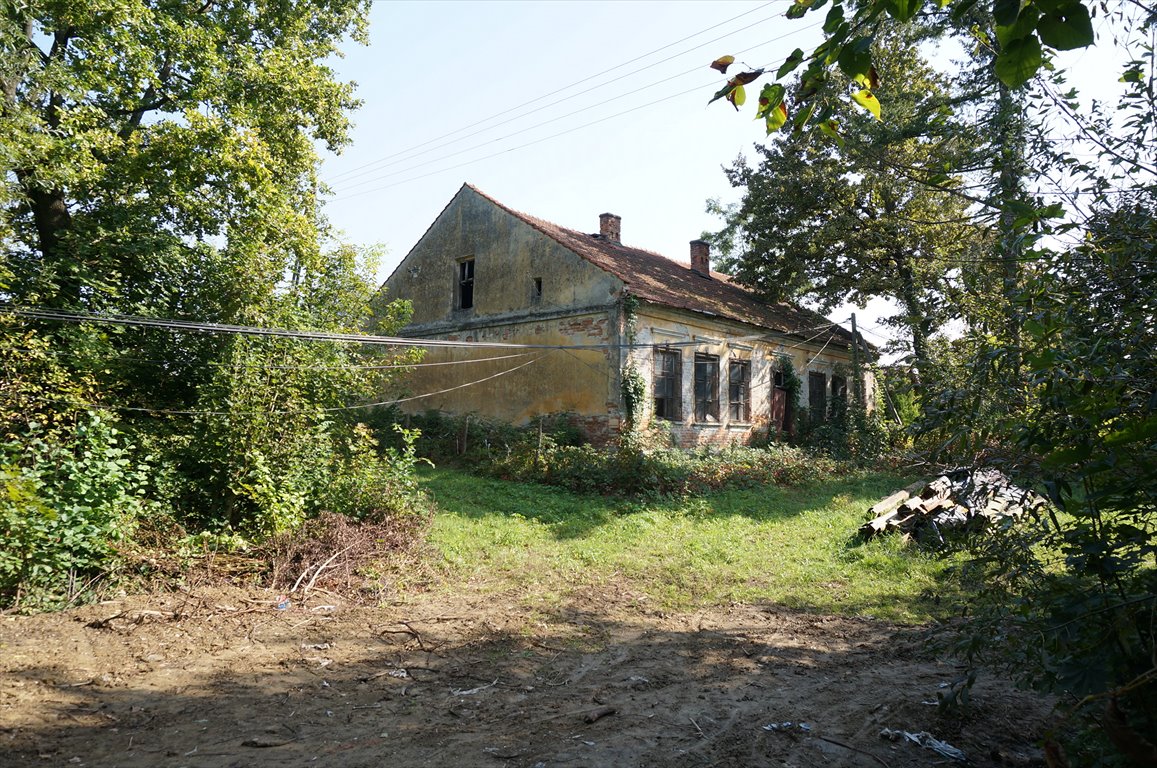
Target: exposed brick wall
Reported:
[(693, 437), (599, 430), (589, 327)]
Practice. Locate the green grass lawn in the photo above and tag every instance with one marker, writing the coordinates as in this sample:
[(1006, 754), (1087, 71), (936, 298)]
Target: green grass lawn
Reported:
[(793, 546)]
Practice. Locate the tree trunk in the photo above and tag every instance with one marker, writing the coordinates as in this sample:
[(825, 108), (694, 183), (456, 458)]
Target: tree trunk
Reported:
[(1010, 156), (53, 220), (915, 318)]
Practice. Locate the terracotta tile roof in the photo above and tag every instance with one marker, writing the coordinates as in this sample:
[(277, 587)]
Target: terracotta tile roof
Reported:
[(656, 279)]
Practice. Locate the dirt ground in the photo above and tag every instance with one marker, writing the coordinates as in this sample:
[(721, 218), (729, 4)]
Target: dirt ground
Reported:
[(219, 676)]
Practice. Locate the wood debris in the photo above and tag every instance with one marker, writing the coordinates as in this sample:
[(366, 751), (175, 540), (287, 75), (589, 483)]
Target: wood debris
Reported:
[(957, 499)]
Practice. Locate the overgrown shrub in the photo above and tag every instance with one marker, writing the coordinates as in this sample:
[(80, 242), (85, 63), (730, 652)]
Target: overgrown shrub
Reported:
[(642, 463), (471, 439), (375, 487), (64, 505)]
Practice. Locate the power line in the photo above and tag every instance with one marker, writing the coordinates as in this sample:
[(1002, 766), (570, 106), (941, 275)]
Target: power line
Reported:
[(273, 366), (342, 192), (568, 87), (334, 409), (392, 341)]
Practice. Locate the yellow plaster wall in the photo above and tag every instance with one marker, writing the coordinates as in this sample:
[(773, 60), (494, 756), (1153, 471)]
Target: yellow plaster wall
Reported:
[(516, 385), (508, 255)]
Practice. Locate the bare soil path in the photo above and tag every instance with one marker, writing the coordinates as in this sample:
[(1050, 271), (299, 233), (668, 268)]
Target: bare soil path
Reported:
[(220, 677)]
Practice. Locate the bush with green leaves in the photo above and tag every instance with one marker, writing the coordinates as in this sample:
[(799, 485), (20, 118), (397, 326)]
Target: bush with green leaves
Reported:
[(372, 485), (1072, 598), (64, 506), (636, 467)]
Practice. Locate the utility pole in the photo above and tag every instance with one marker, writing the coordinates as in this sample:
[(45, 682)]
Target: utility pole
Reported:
[(857, 380)]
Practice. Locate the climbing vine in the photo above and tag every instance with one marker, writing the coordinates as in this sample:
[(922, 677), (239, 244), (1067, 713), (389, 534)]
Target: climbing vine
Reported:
[(632, 386), (791, 382), (634, 392), (630, 305)]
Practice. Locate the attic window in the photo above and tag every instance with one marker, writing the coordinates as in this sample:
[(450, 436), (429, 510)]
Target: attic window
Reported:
[(536, 290), (465, 284)]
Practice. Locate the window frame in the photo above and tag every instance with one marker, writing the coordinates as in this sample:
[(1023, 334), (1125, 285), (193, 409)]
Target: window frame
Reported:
[(667, 380), (464, 284), (706, 388), (839, 388), (739, 392), (817, 395)]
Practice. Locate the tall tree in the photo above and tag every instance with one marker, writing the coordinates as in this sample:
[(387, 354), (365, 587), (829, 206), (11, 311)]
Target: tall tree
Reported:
[(140, 137), (877, 212), (159, 158)]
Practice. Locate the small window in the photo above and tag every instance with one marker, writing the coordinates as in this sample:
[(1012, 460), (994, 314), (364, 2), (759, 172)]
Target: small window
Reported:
[(817, 395), (739, 390), (466, 284), (536, 290), (668, 384), (706, 388), (780, 379)]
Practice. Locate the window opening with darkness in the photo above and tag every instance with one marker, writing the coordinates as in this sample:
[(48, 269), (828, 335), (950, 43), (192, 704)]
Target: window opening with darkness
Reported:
[(840, 388), (668, 384), (706, 388), (739, 390), (817, 395), (466, 284), (536, 289)]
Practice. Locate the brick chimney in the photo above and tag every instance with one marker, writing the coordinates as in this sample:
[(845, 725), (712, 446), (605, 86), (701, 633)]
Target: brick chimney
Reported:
[(701, 257), (610, 227)]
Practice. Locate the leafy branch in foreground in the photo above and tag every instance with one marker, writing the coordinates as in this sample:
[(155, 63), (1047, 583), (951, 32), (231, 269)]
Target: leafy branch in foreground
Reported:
[(1019, 34)]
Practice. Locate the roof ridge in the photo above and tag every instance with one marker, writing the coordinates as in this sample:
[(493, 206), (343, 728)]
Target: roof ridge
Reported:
[(657, 278)]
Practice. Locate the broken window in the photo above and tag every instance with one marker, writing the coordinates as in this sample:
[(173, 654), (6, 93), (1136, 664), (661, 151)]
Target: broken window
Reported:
[(466, 284), (706, 387), (840, 388), (739, 390), (668, 382), (817, 395)]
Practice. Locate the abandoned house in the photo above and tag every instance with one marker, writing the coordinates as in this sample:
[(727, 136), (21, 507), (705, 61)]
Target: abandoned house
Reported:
[(555, 318)]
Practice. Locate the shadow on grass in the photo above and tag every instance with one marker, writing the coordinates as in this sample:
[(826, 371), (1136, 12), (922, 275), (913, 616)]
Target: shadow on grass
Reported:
[(572, 515)]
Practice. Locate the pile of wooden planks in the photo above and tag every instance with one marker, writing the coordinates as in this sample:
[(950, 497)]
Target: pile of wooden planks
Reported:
[(958, 498)]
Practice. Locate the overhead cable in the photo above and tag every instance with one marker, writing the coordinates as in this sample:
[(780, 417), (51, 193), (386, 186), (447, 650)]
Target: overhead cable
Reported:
[(189, 326), (357, 171)]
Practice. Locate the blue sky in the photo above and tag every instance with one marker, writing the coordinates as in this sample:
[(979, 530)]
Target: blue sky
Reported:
[(563, 110), (438, 68)]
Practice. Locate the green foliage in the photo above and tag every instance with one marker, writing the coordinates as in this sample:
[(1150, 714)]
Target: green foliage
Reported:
[(64, 505), (877, 215), (1070, 404), (472, 440), (372, 486), (634, 393), (1022, 30), (160, 159), (629, 470)]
